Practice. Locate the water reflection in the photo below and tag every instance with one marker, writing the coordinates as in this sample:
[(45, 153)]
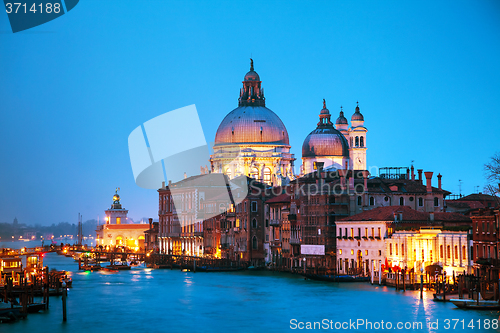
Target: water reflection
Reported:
[(170, 300)]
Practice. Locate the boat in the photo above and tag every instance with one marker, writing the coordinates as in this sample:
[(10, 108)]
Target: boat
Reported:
[(440, 298), (337, 278), (475, 304), (119, 267)]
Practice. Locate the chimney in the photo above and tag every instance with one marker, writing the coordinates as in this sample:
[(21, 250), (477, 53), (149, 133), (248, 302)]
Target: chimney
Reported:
[(407, 173), (365, 180), (395, 217), (185, 175), (428, 178), (169, 183), (420, 176), (162, 184), (150, 223), (439, 181), (412, 173), (431, 216)]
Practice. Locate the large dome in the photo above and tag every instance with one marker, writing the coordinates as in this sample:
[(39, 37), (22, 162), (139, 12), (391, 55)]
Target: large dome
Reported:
[(325, 141), (251, 124)]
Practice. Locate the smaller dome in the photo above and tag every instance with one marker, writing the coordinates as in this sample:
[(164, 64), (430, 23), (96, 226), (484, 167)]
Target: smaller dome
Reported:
[(116, 197), (324, 110), (341, 120), (357, 116), (251, 76)]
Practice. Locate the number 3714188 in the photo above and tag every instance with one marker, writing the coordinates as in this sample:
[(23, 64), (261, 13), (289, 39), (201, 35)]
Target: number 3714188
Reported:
[(19, 7)]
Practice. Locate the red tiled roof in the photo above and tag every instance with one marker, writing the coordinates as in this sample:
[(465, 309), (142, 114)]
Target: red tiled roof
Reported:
[(409, 214), (464, 204), (280, 198), (127, 226)]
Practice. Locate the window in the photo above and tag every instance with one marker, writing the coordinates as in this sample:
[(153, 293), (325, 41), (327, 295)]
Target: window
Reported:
[(420, 202), (366, 252), (340, 233), (456, 252), (373, 232), (254, 223), (362, 141), (254, 206), (340, 263), (366, 232), (431, 254), (390, 249), (448, 250), (396, 246), (441, 251), (379, 233), (423, 255), (372, 201), (267, 175), (436, 202), (360, 200), (254, 173), (267, 238), (379, 252), (402, 249), (359, 232), (340, 251), (356, 140), (254, 243), (352, 232), (464, 255), (352, 251), (401, 201)]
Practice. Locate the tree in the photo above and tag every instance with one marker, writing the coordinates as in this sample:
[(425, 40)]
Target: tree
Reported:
[(492, 171)]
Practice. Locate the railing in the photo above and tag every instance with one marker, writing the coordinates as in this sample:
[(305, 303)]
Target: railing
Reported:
[(294, 241), (274, 222)]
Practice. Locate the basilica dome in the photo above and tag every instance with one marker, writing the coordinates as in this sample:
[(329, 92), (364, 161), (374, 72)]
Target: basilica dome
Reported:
[(325, 140), (251, 124)]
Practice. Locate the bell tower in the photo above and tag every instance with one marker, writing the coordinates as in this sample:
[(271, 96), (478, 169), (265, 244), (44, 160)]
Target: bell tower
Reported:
[(357, 140)]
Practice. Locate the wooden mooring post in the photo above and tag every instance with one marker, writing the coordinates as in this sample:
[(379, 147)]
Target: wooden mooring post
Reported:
[(64, 296)]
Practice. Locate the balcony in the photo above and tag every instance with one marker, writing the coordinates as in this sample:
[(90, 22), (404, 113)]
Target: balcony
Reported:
[(198, 233), (275, 243), (274, 223), (294, 241)]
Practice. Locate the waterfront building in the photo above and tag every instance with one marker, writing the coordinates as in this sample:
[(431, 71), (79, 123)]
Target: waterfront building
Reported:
[(252, 140), (181, 224), (403, 237), (486, 242), (243, 227), (151, 242), (278, 235), (117, 231), (468, 203)]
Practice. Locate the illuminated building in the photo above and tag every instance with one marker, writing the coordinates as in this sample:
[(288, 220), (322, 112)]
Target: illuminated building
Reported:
[(406, 238), (486, 241), (252, 140), (117, 231)]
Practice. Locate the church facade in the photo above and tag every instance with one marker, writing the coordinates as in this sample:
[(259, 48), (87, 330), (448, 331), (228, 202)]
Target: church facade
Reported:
[(253, 141)]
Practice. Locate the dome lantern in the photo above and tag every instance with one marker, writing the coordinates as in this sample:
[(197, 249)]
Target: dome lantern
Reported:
[(252, 93), (357, 116)]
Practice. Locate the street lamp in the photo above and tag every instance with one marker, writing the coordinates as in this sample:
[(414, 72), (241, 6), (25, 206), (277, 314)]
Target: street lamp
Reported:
[(304, 259), (421, 283)]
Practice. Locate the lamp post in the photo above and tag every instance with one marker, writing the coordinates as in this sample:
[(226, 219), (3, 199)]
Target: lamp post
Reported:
[(421, 283), (304, 259)]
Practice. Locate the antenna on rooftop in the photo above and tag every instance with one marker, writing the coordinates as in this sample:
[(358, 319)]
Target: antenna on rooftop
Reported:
[(460, 187)]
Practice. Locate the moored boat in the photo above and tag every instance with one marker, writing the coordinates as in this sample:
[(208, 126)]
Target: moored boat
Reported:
[(475, 304)]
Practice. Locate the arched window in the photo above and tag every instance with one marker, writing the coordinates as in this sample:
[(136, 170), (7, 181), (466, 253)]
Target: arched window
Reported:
[(351, 142), (254, 223), (420, 202), (356, 141), (362, 141), (359, 200), (401, 201), (228, 173), (372, 201), (254, 243), (267, 175), (254, 173), (436, 202)]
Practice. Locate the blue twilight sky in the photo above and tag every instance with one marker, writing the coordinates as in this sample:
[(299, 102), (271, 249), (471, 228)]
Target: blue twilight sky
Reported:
[(426, 75)]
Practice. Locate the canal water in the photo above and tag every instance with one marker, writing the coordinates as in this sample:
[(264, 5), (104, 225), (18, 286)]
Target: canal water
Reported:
[(147, 300)]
